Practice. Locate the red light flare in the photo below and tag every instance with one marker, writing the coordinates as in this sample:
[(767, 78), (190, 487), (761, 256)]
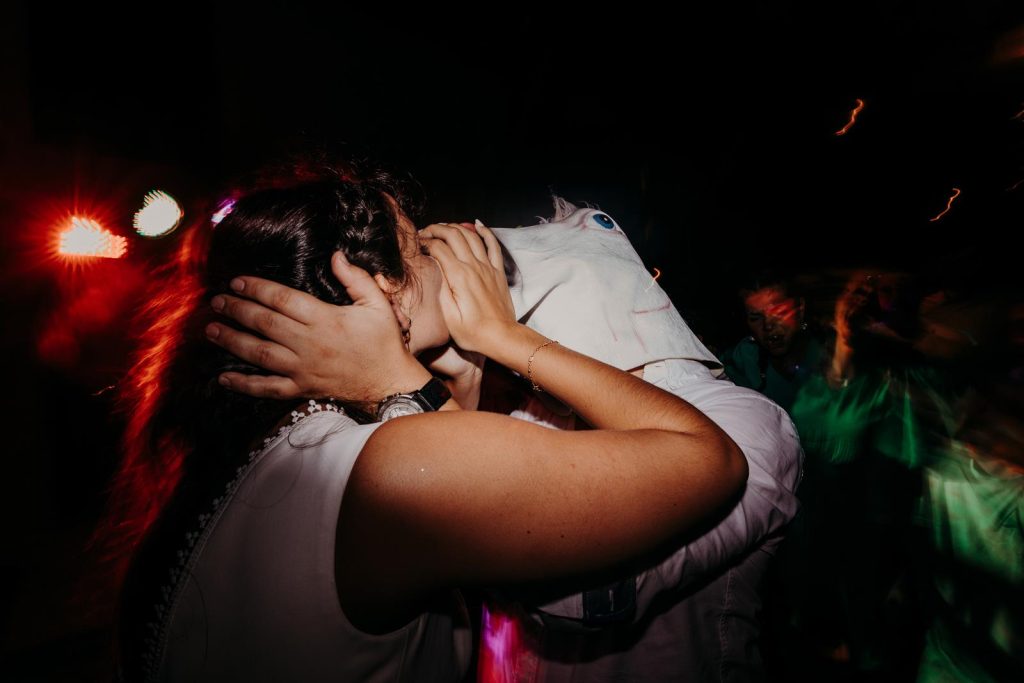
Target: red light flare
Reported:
[(56, 235), (1009, 47), (853, 117), (949, 204), (89, 300), (150, 470), (86, 238), (87, 313)]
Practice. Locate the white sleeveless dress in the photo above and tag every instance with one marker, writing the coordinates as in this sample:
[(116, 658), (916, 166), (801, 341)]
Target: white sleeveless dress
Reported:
[(254, 598)]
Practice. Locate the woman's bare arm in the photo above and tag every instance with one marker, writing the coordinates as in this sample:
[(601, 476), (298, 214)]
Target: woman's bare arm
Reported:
[(455, 498)]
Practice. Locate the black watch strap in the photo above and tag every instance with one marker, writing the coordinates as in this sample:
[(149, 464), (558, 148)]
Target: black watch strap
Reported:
[(433, 395)]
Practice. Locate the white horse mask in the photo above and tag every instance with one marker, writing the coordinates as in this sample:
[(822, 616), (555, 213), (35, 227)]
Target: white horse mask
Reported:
[(577, 279)]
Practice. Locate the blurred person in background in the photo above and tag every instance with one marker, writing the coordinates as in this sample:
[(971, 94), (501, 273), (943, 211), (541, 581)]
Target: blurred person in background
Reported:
[(781, 350)]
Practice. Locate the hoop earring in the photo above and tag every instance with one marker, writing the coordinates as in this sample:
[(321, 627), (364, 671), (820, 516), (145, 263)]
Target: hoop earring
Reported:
[(407, 330), (396, 305)]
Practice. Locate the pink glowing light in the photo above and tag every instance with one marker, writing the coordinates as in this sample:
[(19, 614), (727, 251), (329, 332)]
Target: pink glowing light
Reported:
[(225, 208), (505, 653)]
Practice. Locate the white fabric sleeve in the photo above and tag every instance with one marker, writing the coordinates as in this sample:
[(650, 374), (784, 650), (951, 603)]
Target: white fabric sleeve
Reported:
[(768, 439)]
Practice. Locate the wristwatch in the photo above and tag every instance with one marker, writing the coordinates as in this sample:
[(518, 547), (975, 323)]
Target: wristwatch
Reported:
[(432, 396)]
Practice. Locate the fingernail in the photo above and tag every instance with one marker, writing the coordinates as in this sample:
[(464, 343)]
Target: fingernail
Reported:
[(238, 284), (224, 381), (217, 303), (341, 256), (479, 223), (212, 331)]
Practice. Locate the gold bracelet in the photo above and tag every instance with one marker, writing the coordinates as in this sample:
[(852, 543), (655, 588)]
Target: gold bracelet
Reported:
[(529, 364)]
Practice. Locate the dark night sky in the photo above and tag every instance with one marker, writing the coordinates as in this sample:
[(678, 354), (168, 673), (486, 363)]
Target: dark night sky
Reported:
[(708, 134)]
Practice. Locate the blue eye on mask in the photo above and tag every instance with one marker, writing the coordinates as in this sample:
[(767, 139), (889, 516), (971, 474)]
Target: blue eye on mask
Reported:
[(604, 221)]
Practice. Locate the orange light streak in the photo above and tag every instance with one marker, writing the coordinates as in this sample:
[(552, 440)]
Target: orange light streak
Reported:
[(853, 117), (956, 193), (657, 274)]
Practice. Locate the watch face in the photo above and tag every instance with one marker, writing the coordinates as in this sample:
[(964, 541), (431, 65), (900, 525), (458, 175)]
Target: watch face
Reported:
[(398, 406)]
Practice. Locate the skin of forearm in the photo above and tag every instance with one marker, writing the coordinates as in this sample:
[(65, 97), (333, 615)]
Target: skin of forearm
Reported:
[(467, 397), (466, 389), (583, 383)]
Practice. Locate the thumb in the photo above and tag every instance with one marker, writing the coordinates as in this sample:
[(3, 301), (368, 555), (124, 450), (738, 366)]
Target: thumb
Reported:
[(357, 282)]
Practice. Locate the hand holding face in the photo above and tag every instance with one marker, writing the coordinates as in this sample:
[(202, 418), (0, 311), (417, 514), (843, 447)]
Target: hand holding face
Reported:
[(476, 303), (316, 349)]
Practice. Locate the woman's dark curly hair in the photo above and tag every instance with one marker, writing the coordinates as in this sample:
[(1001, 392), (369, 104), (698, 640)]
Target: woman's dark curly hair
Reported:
[(284, 226)]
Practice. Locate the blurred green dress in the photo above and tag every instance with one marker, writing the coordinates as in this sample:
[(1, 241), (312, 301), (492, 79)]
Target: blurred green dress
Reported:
[(972, 509)]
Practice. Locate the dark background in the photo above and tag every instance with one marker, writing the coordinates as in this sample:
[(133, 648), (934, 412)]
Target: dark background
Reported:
[(708, 134)]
